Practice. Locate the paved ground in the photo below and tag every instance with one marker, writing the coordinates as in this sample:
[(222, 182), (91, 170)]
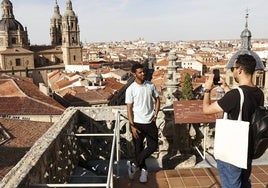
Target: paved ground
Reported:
[(204, 174)]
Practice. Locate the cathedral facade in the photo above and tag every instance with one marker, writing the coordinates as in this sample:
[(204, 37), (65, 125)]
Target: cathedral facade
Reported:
[(16, 53)]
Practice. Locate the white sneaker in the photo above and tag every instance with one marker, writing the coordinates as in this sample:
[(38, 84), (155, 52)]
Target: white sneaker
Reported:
[(132, 169), (143, 177)]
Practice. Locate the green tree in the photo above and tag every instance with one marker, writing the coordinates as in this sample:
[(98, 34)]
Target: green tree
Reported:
[(187, 88)]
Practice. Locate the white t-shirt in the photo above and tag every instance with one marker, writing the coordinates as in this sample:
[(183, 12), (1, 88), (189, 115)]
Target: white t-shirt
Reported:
[(142, 98)]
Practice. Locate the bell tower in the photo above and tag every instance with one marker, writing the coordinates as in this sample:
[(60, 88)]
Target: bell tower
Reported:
[(55, 27), (71, 46)]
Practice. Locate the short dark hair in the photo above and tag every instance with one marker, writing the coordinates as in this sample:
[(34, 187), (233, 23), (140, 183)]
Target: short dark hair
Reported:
[(247, 62), (136, 66)]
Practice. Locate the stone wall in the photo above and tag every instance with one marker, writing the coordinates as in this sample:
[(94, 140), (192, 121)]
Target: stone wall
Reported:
[(51, 159)]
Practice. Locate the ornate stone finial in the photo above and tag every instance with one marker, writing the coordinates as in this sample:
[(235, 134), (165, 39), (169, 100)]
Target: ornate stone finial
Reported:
[(172, 57), (172, 79)]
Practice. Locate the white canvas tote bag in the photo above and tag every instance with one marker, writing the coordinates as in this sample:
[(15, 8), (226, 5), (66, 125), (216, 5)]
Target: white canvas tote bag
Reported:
[(231, 138)]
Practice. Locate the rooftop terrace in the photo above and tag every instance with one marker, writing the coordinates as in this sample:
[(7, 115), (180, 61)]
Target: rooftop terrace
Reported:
[(88, 147)]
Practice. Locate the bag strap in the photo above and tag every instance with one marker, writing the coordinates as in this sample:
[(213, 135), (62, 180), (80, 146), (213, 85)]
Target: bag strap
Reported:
[(241, 103), (225, 115)]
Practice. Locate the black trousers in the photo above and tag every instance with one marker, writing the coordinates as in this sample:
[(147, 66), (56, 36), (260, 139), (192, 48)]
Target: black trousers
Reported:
[(150, 133)]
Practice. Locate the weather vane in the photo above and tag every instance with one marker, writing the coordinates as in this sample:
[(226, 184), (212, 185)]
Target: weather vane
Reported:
[(247, 10)]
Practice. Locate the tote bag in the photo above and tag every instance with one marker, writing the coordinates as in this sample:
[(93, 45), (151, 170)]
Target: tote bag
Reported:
[(231, 139)]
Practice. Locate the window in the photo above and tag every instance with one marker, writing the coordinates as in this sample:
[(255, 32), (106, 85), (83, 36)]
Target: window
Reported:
[(18, 63), (74, 58), (259, 79), (14, 40)]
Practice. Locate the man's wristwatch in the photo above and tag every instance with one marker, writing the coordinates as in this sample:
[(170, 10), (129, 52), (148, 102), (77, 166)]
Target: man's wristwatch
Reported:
[(206, 90)]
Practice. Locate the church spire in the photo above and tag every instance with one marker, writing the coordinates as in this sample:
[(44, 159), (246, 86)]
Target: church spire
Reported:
[(69, 9), (7, 9), (69, 5), (56, 11), (55, 26), (246, 36), (71, 46)]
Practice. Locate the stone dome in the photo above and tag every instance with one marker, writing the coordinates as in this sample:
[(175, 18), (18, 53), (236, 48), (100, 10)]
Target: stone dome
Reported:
[(246, 33), (259, 63), (6, 2), (9, 24)]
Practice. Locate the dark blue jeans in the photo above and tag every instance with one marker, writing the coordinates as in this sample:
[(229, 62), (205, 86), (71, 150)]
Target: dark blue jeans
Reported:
[(150, 133), (232, 176)]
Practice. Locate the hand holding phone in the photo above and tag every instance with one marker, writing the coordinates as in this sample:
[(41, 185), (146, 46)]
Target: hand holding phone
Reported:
[(216, 78)]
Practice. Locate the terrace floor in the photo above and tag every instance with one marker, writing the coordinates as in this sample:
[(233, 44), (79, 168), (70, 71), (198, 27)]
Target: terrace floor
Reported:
[(203, 175), (190, 178)]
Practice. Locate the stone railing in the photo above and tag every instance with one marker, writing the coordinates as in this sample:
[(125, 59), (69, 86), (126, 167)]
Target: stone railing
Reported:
[(55, 156), (51, 159)]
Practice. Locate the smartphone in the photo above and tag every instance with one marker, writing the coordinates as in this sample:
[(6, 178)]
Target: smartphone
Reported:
[(216, 78)]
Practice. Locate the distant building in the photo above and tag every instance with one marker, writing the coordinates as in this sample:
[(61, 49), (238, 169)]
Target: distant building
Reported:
[(192, 63), (86, 88), (16, 53), (14, 43)]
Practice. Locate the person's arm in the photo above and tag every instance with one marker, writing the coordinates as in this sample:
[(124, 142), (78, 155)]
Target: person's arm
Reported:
[(208, 107), (224, 85), (130, 115), (156, 108)]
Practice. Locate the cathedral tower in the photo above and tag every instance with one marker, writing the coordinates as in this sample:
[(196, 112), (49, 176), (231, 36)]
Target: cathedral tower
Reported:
[(56, 27), (14, 44), (71, 46)]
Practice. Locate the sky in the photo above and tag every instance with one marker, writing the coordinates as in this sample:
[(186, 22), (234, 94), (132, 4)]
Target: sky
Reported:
[(153, 20)]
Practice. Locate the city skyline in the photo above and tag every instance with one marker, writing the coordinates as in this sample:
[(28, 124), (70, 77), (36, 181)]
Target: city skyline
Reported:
[(118, 20)]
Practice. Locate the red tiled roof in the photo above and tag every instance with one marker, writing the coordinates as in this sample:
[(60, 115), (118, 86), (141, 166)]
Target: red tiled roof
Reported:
[(63, 83), (112, 83), (27, 106), (191, 72), (162, 63), (24, 135), (9, 88), (20, 96), (83, 95)]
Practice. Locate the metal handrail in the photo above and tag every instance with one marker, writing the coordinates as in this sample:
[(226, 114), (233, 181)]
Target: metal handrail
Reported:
[(110, 171)]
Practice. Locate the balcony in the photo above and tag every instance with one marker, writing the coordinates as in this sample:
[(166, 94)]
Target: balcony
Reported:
[(84, 149)]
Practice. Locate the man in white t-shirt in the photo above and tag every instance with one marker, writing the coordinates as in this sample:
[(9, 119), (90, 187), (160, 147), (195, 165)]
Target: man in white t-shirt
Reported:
[(143, 103)]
